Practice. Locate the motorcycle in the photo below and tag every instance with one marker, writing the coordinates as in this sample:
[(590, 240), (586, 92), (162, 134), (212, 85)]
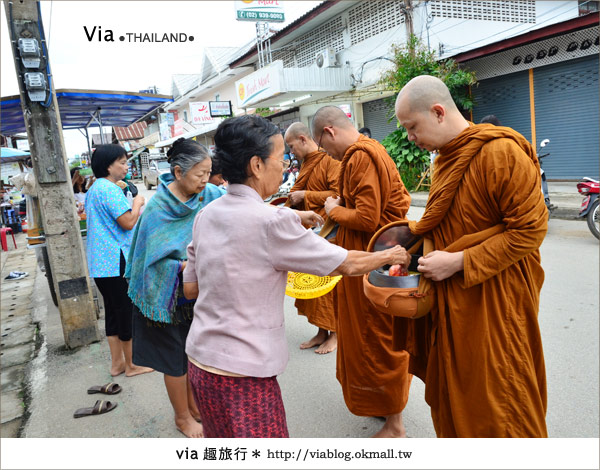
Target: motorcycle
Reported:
[(589, 188), (545, 192)]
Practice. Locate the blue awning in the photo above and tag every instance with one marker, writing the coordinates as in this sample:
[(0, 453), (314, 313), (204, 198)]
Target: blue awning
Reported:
[(8, 155), (116, 108)]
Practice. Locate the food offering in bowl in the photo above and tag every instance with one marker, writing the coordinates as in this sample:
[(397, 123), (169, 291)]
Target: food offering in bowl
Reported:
[(394, 276)]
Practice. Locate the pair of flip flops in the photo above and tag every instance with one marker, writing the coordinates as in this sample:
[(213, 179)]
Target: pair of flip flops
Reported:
[(101, 406)]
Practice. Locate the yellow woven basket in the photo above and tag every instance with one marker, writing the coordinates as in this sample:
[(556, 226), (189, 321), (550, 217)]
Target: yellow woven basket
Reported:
[(309, 286)]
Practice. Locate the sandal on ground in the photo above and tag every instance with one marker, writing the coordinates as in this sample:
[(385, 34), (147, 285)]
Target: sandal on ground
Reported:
[(99, 408), (110, 388)]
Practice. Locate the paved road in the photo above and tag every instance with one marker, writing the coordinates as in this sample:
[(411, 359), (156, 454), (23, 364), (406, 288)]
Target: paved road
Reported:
[(313, 398)]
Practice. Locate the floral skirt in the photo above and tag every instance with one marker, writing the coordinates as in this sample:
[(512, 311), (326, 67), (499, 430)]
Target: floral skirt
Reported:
[(238, 406)]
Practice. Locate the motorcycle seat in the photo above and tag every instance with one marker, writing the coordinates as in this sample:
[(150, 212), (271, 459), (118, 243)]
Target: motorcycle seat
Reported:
[(591, 180)]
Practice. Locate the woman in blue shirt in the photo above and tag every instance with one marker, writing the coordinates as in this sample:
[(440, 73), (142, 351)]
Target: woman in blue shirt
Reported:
[(110, 220)]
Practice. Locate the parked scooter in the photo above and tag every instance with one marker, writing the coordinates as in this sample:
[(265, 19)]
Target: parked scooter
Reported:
[(545, 192), (589, 188)]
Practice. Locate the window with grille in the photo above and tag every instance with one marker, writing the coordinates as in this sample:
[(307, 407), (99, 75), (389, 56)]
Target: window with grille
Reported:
[(286, 55), (373, 17), (514, 11), (327, 35)]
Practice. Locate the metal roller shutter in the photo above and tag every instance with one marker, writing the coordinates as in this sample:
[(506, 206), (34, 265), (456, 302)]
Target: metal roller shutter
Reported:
[(507, 97), (566, 112), (376, 114)]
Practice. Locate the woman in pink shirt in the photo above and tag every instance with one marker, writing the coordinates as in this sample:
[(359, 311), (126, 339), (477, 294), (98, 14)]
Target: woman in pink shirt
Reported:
[(237, 268)]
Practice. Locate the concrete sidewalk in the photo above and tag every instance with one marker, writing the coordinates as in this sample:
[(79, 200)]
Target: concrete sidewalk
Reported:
[(563, 195), (19, 333)]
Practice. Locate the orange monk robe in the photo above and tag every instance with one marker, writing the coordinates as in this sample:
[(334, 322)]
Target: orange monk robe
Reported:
[(480, 351), (318, 176), (374, 377)]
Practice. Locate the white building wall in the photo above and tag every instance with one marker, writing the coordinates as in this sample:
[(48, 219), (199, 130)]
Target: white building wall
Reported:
[(452, 36)]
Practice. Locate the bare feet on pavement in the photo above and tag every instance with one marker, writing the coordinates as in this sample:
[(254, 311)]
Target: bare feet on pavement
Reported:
[(393, 427), (317, 340), (189, 427), (329, 345), (117, 369), (137, 370)]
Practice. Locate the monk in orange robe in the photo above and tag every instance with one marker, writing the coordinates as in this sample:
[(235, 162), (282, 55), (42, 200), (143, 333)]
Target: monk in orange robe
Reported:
[(479, 351), (317, 180), (374, 377)]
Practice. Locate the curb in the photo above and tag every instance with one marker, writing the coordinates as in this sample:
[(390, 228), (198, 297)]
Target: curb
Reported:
[(559, 212)]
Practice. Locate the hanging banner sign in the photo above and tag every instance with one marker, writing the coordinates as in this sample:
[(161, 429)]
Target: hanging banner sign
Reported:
[(260, 85), (165, 130), (200, 111), (270, 11), (178, 127)]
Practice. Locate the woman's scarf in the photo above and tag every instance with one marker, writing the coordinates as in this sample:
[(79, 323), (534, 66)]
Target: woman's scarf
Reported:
[(159, 245), (452, 163)]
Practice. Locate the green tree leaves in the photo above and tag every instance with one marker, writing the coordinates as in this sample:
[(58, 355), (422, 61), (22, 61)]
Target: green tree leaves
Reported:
[(411, 60)]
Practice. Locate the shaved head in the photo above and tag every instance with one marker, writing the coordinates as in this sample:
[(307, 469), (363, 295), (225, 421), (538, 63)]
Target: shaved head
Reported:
[(424, 91), (426, 110), (299, 140), (296, 130), (330, 116)]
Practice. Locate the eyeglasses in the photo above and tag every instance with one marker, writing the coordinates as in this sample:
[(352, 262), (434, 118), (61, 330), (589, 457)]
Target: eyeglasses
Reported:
[(286, 163)]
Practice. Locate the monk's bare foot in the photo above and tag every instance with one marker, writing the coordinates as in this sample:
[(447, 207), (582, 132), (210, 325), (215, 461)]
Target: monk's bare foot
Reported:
[(383, 432), (189, 427), (137, 370), (316, 340), (329, 345), (196, 416), (393, 427)]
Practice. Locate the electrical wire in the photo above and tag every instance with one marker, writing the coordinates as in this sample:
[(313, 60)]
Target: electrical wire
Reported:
[(50, 27)]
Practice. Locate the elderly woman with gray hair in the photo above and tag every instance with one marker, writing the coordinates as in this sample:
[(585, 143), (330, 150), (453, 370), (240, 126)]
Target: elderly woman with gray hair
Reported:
[(161, 315)]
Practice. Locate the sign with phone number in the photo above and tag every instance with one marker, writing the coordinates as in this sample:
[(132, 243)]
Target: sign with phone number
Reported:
[(260, 16)]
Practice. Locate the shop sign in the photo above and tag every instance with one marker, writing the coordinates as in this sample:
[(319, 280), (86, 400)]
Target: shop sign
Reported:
[(270, 11), (165, 130), (22, 144), (347, 109), (178, 127), (260, 85), (200, 112), (220, 108)]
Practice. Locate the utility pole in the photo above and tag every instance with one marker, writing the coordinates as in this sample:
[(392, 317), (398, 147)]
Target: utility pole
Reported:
[(408, 19), (55, 192)]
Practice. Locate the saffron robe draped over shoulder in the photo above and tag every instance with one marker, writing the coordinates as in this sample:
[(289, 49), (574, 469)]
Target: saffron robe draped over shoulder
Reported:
[(318, 176), (374, 377), (479, 352)]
